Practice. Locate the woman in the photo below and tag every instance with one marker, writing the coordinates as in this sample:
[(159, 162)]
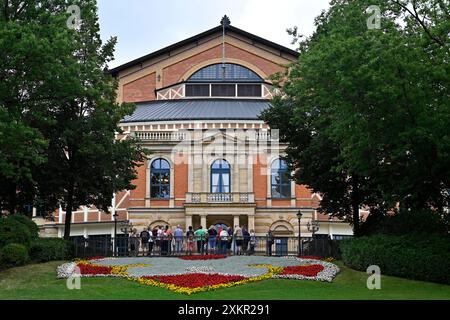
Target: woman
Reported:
[(252, 242), (230, 239), (223, 241), (189, 240), (212, 236)]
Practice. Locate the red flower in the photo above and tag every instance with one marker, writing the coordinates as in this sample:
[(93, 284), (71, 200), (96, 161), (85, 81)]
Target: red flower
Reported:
[(307, 271), (195, 280), (93, 269), (310, 257), (205, 257)]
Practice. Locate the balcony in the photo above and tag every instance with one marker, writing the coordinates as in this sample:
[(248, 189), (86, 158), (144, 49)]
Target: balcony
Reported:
[(219, 198), (176, 136)]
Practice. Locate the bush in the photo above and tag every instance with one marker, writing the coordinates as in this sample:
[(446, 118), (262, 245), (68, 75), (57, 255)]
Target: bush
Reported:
[(12, 231), (411, 256), (13, 255), (30, 224), (48, 249)]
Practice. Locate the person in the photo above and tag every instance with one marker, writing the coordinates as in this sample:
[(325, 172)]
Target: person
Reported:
[(230, 239), (246, 236), (212, 236), (223, 241), (145, 235), (269, 242), (150, 241), (238, 239), (178, 235), (159, 237), (134, 242), (189, 240), (252, 242), (169, 239), (200, 237)]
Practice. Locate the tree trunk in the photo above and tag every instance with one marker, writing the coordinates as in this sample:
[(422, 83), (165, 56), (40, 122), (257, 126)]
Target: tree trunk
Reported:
[(69, 206), (355, 205)]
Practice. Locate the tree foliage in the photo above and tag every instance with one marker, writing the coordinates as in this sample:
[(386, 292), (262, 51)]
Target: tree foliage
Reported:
[(366, 111)]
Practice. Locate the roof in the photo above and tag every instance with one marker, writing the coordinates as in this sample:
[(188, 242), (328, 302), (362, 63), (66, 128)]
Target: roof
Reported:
[(196, 38), (197, 109)]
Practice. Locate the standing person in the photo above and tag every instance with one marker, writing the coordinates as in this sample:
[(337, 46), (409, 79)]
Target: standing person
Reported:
[(212, 235), (229, 239), (246, 236), (189, 240), (145, 235), (269, 242), (239, 239), (159, 236), (134, 243), (169, 238), (178, 235), (150, 241), (200, 237), (223, 241)]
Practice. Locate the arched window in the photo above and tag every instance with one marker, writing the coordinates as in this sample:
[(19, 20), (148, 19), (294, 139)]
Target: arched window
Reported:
[(160, 179), (280, 179), (220, 176), (229, 72)]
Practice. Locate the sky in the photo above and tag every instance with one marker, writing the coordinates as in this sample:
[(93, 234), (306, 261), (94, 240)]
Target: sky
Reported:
[(144, 26)]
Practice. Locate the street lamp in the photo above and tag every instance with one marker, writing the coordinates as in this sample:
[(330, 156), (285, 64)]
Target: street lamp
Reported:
[(313, 226), (299, 216), (115, 215)]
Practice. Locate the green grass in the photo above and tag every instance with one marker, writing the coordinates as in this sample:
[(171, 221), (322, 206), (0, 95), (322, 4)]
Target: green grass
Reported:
[(38, 281)]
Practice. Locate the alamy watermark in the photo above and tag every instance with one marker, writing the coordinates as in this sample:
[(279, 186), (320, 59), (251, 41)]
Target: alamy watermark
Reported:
[(374, 280), (374, 20), (74, 21)]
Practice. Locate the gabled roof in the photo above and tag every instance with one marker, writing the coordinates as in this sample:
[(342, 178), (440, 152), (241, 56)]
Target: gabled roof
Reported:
[(200, 36), (197, 109)]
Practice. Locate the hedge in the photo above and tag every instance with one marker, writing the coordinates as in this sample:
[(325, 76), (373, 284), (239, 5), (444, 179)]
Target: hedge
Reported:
[(12, 231), (13, 255), (30, 224), (412, 257), (48, 249)]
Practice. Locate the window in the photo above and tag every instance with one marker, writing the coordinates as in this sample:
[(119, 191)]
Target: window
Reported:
[(223, 90), (220, 176), (280, 180), (160, 179), (249, 90), (197, 90), (233, 72)]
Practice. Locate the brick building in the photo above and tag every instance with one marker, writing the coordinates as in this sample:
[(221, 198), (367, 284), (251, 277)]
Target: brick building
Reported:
[(212, 160)]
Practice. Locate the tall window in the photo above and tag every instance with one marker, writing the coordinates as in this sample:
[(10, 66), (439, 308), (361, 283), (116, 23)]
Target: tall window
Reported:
[(280, 179), (220, 176), (160, 179)]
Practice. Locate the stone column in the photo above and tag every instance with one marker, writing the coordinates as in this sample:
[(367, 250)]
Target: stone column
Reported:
[(203, 221), (251, 222), (235, 221), (188, 221)]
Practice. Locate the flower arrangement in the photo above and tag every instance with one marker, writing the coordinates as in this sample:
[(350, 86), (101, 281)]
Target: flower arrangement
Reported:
[(188, 277), (204, 257)]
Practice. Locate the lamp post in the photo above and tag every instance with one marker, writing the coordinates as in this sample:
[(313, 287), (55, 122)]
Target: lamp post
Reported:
[(115, 215), (313, 226), (299, 216)]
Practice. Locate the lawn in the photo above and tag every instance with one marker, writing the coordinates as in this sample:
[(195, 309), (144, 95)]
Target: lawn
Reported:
[(38, 281)]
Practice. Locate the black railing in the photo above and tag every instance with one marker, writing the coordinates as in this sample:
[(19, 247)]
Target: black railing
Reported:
[(177, 246)]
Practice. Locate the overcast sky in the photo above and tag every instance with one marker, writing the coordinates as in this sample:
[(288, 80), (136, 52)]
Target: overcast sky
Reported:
[(144, 26)]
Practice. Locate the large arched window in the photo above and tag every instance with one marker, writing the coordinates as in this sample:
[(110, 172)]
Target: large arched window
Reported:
[(280, 179), (160, 179), (224, 80), (220, 176)]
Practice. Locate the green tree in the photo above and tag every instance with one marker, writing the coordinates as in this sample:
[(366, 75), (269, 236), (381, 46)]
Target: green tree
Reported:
[(365, 122)]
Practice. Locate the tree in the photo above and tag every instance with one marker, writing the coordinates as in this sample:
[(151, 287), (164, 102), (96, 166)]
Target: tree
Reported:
[(366, 124), (33, 47), (86, 163)]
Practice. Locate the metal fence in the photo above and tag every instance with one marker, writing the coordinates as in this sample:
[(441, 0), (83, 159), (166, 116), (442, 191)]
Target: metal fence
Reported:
[(176, 246)]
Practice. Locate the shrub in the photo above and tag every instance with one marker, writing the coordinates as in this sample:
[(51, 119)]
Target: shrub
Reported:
[(12, 231), (48, 249), (13, 255), (30, 224), (411, 256)]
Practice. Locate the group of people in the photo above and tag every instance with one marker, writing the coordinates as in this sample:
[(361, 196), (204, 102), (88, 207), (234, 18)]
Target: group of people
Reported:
[(217, 239)]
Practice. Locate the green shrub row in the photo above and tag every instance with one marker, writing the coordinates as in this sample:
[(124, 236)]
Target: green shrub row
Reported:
[(20, 243), (413, 257)]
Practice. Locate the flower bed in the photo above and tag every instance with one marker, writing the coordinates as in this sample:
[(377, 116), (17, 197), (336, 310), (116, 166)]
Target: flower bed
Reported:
[(190, 276), (204, 257)]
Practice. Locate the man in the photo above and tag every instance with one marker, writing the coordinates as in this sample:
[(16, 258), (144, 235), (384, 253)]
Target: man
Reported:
[(200, 237), (145, 235), (246, 235), (178, 235), (212, 235), (223, 235), (269, 242)]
